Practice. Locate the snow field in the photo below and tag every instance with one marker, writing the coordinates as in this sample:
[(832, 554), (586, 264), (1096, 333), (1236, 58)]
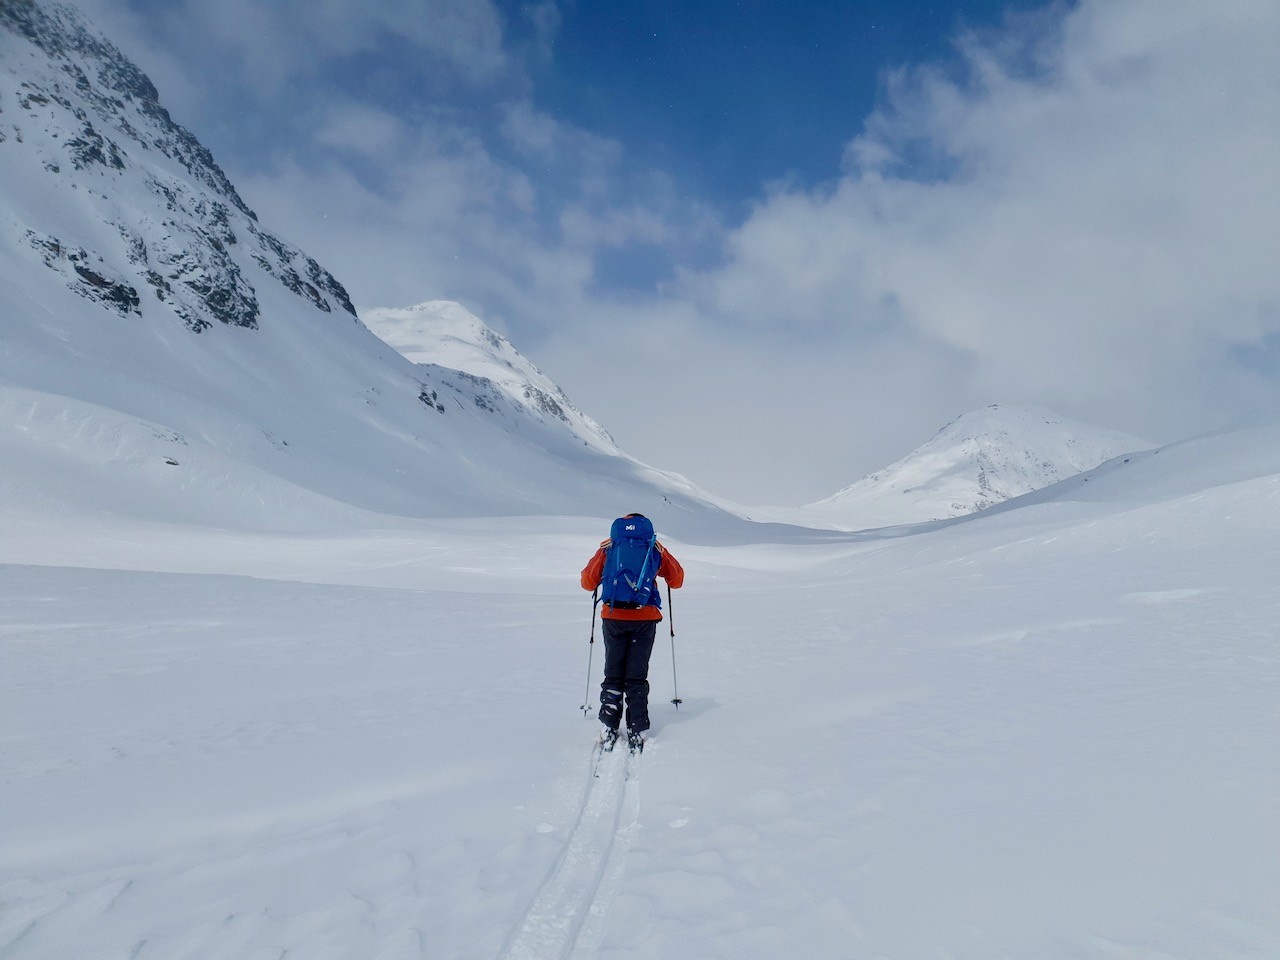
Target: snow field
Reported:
[(244, 774), (1049, 732)]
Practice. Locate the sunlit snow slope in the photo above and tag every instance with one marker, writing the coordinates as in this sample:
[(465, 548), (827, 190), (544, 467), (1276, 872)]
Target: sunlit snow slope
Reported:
[(447, 334)]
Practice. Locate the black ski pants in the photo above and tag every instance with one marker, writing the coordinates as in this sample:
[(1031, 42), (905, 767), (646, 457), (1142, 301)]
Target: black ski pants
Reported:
[(627, 646)]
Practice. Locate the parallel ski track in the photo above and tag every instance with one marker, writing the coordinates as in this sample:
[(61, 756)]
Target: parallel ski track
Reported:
[(566, 919)]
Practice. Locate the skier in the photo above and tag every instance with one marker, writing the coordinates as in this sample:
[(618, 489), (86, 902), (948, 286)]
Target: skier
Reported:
[(626, 566)]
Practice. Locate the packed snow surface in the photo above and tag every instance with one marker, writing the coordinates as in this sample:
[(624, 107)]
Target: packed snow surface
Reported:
[(1046, 731)]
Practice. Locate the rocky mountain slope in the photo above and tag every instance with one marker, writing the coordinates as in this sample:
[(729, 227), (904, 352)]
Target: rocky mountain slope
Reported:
[(164, 354), (81, 116)]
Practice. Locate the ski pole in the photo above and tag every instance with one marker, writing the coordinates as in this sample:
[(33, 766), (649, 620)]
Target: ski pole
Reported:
[(586, 700), (671, 622)]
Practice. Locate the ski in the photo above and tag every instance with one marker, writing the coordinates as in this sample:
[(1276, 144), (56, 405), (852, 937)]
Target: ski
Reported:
[(604, 745), (635, 749)]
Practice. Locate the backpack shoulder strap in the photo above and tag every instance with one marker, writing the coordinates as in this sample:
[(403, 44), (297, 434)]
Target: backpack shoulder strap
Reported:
[(648, 555)]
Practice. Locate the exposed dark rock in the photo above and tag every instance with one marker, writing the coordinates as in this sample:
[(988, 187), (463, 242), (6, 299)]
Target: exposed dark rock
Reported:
[(160, 285), (431, 399), (188, 261), (289, 277), (112, 292), (85, 274), (92, 148), (326, 281), (486, 395), (284, 270), (136, 247), (546, 403)]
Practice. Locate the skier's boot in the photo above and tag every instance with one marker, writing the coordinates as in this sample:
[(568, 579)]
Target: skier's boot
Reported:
[(635, 741), (611, 708)]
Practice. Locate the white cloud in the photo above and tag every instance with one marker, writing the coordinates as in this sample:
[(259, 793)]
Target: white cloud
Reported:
[(1083, 213), (1102, 232), (361, 130), (1084, 217), (290, 37)]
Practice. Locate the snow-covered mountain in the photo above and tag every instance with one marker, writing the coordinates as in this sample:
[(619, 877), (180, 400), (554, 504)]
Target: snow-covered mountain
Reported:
[(977, 460), (164, 354), (447, 334)]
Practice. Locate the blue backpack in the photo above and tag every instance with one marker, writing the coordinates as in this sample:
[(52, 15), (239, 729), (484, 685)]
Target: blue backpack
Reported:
[(631, 565)]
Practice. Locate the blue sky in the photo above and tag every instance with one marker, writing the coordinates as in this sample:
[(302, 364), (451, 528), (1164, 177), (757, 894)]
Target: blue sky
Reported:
[(825, 229), (736, 94)]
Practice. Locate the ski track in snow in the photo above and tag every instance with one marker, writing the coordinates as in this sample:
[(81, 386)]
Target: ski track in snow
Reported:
[(567, 916)]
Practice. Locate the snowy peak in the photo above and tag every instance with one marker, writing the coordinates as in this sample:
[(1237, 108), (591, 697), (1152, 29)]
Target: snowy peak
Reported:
[(446, 334), (978, 460)]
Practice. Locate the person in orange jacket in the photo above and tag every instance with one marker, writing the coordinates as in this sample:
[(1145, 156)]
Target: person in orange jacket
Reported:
[(632, 608)]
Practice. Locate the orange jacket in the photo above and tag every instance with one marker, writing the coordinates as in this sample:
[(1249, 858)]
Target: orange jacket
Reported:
[(669, 570)]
